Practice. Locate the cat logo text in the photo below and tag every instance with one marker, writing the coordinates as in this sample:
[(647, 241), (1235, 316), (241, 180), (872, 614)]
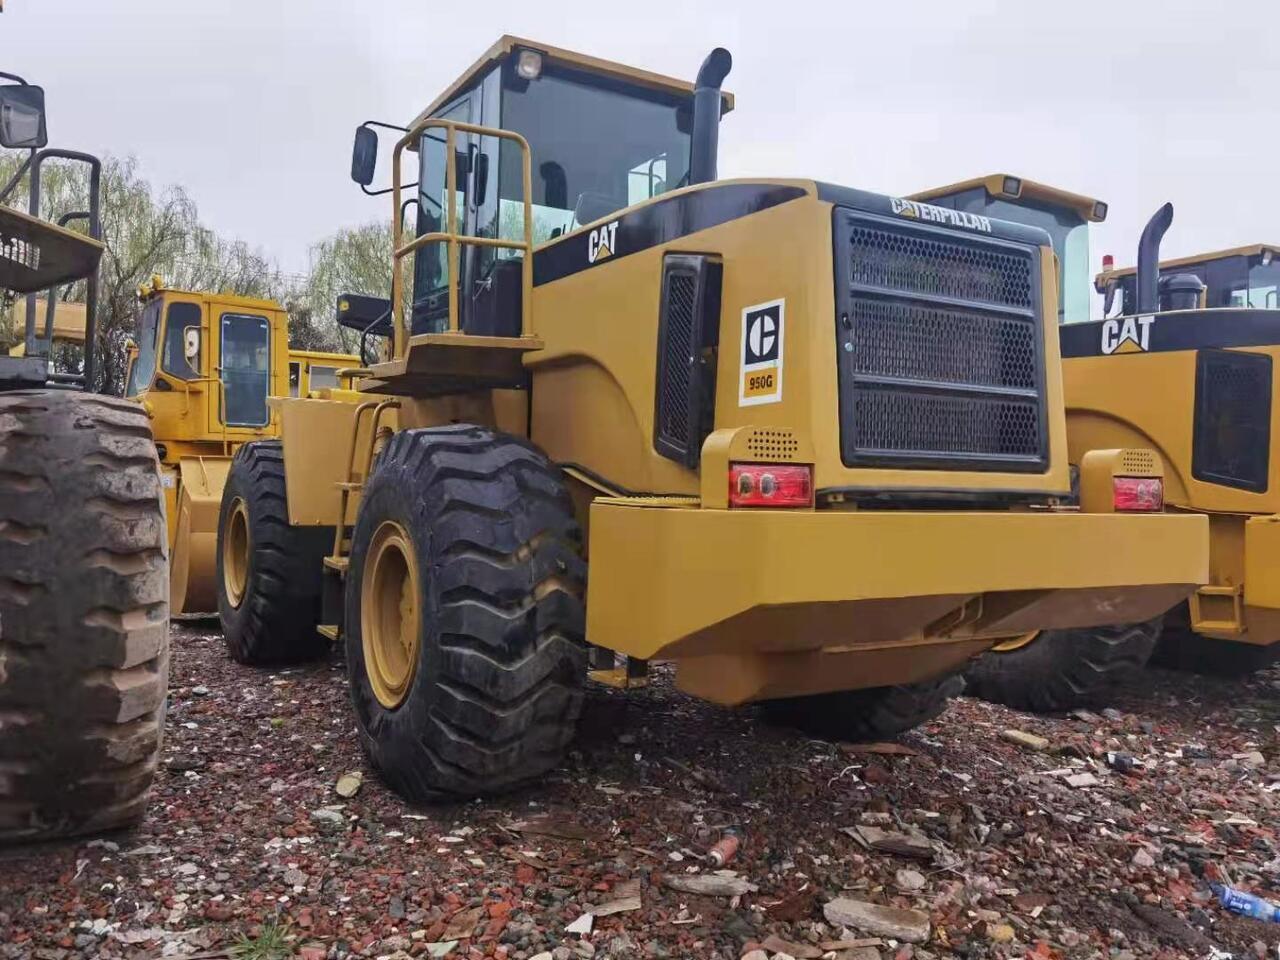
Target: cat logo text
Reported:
[(600, 242)]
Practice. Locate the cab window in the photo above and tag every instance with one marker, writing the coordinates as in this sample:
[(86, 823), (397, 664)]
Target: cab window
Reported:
[(143, 369), (246, 369), (295, 378), (322, 377), (180, 318), (596, 148)]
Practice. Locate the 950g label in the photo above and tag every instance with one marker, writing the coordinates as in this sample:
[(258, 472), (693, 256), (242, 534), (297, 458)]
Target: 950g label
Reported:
[(760, 377)]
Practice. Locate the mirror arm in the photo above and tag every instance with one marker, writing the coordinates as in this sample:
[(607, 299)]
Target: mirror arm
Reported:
[(379, 193)]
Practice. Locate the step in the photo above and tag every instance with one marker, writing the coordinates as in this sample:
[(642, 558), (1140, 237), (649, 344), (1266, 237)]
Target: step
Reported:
[(330, 631), (618, 678), (338, 563)]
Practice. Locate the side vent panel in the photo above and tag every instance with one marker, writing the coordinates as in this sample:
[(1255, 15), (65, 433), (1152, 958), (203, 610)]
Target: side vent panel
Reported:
[(688, 335), (1231, 444)]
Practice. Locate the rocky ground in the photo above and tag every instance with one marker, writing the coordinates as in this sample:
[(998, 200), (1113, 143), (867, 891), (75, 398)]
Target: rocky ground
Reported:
[(1099, 840)]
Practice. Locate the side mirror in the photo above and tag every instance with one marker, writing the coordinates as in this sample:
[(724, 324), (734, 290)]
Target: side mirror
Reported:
[(364, 156), (22, 117), (191, 344)]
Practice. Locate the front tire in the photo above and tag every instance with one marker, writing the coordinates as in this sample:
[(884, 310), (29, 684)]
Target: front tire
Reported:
[(84, 614), (464, 614), (1062, 670), (269, 571), (875, 713)]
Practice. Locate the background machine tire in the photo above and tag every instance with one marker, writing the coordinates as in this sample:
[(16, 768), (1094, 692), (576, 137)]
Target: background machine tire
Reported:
[(1181, 648), (84, 615), (464, 614), (871, 714), (1064, 669), (269, 572)]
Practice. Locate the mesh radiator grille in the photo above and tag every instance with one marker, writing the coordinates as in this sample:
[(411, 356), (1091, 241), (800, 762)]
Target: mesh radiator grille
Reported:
[(941, 348)]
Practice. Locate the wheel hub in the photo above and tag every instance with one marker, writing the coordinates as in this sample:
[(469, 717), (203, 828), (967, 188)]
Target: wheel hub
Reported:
[(1015, 643), (236, 547), (390, 618)]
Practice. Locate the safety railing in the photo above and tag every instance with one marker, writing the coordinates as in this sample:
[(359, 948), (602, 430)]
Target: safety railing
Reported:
[(450, 234)]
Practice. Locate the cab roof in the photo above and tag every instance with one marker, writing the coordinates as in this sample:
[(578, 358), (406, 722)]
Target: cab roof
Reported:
[(1253, 250), (157, 287), (582, 61), (1089, 208)]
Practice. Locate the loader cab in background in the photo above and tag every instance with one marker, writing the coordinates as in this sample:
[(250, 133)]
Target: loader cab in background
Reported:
[(205, 364), (1064, 216), (602, 136), (311, 371), (1243, 277)]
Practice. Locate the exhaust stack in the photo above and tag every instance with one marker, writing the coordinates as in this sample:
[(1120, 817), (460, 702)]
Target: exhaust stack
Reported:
[(706, 115), (1148, 281)]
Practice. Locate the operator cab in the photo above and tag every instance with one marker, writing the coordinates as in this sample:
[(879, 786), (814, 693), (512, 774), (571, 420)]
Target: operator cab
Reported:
[(1244, 277), (173, 357), (1064, 216), (602, 137)]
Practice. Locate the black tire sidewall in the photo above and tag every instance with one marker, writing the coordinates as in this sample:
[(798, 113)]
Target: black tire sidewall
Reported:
[(391, 496), (233, 618)]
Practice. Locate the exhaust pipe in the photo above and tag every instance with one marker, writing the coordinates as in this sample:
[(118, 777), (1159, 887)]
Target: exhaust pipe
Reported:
[(1149, 259), (706, 115)]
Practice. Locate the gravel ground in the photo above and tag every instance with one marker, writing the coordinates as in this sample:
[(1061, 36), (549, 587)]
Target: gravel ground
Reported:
[(1002, 848)]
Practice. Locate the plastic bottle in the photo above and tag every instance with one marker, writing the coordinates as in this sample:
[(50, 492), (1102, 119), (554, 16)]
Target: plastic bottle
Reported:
[(1246, 904), (725, 848)]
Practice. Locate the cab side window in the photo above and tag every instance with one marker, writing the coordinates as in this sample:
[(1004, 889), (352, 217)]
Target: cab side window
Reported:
[(180, 318)]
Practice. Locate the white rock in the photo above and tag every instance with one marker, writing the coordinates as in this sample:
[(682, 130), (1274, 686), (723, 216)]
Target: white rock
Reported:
[(911, 926), (582, 925), (910, 880)]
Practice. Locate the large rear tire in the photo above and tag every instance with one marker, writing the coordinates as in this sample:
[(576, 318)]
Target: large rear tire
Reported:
[(1063, 670), (269, 572), (464, 614), (1181, 648), (84, 615), (871, 714)]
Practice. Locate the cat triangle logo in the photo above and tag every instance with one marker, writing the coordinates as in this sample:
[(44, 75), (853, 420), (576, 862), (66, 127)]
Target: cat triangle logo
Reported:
[(600, 242), (1127, 335)]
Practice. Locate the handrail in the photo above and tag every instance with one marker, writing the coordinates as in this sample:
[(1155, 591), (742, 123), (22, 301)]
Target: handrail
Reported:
[(222, 405), (450, 235)]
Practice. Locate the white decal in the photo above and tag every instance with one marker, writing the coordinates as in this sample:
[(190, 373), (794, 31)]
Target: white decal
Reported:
[(1127, 335), (760, 379), (600, 242)]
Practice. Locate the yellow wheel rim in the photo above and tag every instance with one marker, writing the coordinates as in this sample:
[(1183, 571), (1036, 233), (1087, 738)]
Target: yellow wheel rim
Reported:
[(1015, 643), (236, 547), (390, 619)]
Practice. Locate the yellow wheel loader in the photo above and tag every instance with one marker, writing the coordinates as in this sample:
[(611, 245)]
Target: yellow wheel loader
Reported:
[(1184, 368), (84, 616), (805, 441), (203, 367)]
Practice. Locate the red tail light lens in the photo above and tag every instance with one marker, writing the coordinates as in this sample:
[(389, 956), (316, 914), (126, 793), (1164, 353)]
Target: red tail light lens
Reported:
[(770, 485), (1139, 494)]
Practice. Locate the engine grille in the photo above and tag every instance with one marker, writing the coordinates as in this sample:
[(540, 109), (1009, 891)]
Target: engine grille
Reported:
[(940, 346)]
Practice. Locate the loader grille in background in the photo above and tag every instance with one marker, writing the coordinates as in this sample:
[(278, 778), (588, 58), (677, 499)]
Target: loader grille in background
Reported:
[(940, 343), (1231, 443)]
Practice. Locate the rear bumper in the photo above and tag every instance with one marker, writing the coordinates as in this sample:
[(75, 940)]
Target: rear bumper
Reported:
[(758, 604)]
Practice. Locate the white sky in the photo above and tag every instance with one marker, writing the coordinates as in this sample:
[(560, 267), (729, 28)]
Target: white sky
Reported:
[(250, 104)]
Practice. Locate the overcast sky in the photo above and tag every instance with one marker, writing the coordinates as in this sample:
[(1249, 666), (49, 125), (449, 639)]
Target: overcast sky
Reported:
[(250, 104)]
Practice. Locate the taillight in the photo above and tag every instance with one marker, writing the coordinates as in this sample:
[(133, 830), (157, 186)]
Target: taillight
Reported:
[(1138, 494), (770, 485)]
